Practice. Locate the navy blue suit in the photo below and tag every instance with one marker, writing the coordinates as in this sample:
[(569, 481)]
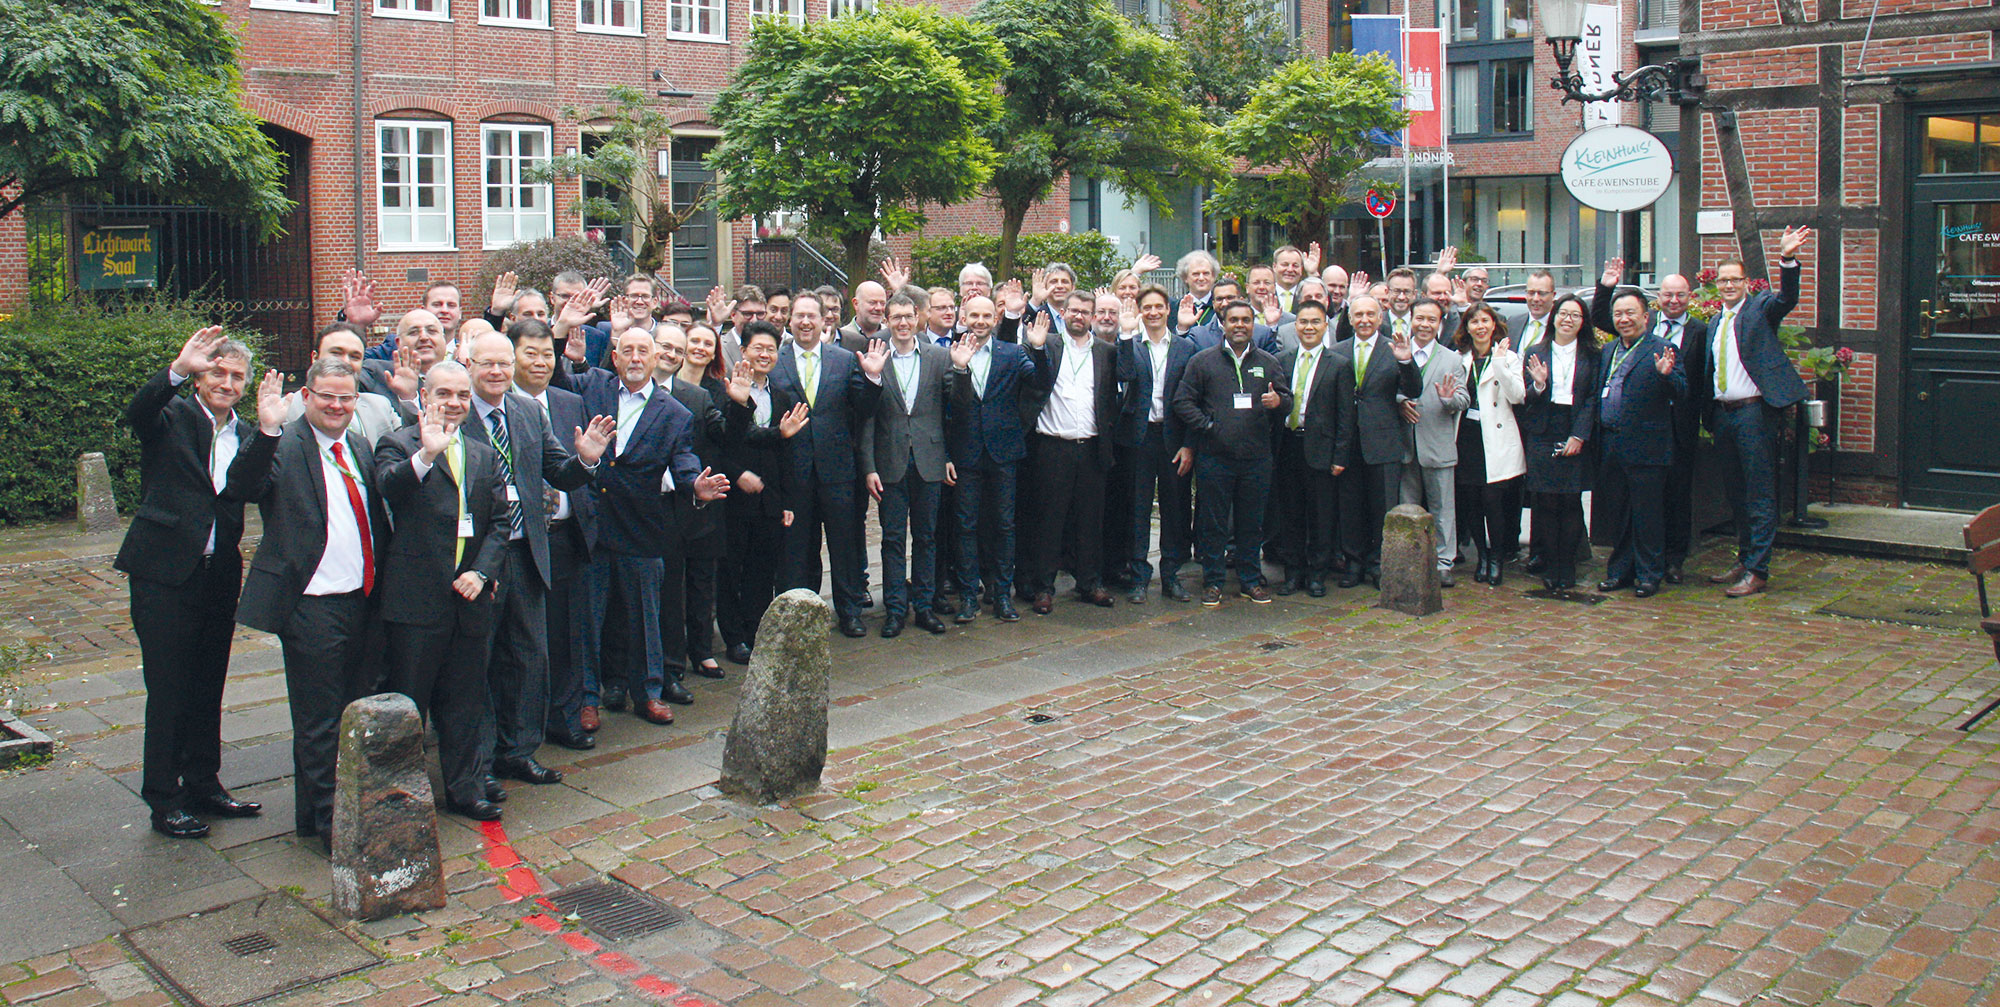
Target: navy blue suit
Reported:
[(1635, 422), (986, 440), (823, 473), (1747, 430), (1153, 446)]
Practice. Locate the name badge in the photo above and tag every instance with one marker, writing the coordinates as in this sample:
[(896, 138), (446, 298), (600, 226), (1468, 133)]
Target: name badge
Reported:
[(1472, 414), (513, 493), (1243, 400), (1606, 393), (465, 526)]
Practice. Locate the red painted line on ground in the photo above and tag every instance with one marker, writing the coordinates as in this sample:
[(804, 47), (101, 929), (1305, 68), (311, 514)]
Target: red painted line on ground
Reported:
[(582, 944), (500, 853), (692, 1001), (543, 922), (657, 986), (618, 963), (522, 880)]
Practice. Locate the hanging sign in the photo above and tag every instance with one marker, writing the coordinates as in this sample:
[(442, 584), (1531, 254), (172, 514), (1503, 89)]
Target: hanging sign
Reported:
[(114, 258), (1617, 169)]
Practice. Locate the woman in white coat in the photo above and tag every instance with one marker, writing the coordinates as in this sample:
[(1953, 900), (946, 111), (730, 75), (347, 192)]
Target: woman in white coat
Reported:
[(1490, 459)]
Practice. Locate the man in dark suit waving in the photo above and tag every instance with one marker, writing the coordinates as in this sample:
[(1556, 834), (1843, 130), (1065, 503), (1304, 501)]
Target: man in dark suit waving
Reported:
[(988, 380), (1380, 367), (1642, 379), (325, 534), (184, 566), (1753, 382), (903, 462), (1150, 365)]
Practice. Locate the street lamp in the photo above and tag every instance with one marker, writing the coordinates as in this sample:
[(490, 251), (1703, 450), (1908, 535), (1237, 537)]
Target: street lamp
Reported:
[(1679, 80)]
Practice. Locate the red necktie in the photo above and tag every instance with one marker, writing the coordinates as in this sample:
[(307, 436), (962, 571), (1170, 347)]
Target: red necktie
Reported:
[(360, 521)]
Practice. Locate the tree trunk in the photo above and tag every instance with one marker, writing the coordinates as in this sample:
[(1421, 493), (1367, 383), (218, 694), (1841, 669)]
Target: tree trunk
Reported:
[(1012, 216), (854, 253), (1310, 227)]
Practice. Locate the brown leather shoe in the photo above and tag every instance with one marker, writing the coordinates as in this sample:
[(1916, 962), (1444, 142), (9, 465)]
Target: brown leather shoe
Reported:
[(1729, 576), (1100, 597), (1749, 585), (657, 711), (589, 720), (1044, 603)]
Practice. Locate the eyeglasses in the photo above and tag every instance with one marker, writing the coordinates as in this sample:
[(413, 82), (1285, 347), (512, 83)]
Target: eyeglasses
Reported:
[(331, 399)]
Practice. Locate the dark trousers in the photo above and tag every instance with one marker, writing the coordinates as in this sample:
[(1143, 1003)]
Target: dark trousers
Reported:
[(945, 544), (1559, 518), (744, 584), (184, 635), (988, 485), (1229, 510), (566, 610), (699, 602), (1068, 487), (1153, 477), (908, 510), (1748, 437), (443, 668), (1630, 496), (1308, 512), (831, 506), (324, 671), (634, 638), (1491, 514), (1114, 564), (1679, 507), (1366, 494), (517, 676)]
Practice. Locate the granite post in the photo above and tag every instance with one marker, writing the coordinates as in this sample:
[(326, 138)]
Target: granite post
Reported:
[(777, 743), (96, 509), (1409, 562), (386, 860)]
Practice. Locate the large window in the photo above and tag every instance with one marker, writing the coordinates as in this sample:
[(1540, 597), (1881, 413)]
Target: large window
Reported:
[(698, 19), (1513, 110), (791, 10), (515, 210), (1490, 20), (617, 17), (422, 10), (413, 185), (1464, 98), (835, 8), (1962, 144), (1086, 204), (515, 13)]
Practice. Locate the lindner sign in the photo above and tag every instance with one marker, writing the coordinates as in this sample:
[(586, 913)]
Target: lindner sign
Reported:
[(1617, 169)]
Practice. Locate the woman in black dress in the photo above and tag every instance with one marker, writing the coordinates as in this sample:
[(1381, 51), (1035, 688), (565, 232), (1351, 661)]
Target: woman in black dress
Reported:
[(1557, 417)]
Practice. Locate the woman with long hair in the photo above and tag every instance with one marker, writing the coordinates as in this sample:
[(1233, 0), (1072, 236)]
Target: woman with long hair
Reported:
[(708, 538), (1557, 417), (1490, 462)]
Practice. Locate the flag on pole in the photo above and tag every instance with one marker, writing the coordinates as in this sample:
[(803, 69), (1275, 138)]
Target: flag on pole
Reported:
[(1423, 87), (1381, 33)]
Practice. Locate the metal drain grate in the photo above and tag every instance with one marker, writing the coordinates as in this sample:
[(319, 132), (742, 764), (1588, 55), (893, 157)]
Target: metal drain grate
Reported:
[(245, 945), (1925, 611), (616, 911), (1275, 645), (1039, 718)]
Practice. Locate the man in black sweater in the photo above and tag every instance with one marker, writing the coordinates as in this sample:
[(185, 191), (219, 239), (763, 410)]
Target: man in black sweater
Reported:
[(1228, 401)]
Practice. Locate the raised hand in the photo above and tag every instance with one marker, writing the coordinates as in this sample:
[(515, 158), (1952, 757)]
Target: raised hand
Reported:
[(1146, 263), (574, 349), (1664, 363), (1447, 388), (624, 312), (1357, 285), (1447, 258), (1012, 301), (794, 420), (578, 307), (1128, 316), (1185, 318), (1038, 331), (505, 287), (1793, 239), (197, 355), (1314, 255), (1614, 270), (1272, 312), (404, 380), (592, 441), (1538, 370), (1399, 344), (272, 411), (435, 433), (711, 485), (1270, 397), (962, 350), (1459, 294), (718, 305), (1039, 287), (740, 380), (359, 292), (875, 359), (895, 275)]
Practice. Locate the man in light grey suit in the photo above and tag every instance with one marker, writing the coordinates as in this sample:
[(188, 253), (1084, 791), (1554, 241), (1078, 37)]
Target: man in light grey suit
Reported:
[(1431, 458), (903, 460)]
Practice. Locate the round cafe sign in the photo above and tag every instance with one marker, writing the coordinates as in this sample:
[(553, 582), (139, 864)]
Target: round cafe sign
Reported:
[(1617, 168)]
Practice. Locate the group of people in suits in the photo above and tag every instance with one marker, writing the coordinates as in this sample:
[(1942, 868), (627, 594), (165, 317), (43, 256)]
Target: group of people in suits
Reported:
[(527, 519)]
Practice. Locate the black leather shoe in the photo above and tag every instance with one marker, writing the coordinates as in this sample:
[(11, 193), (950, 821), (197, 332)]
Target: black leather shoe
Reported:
[(1495, 576), (1646, 589), (494, 791), (573, 742), (222, 805), (968, 609), (1535, 564), (1610, 584), (1352, 578), (527, 771), (739, 653), (706, 669), (179, 825), (1552, 583), (615, 699), (676, 693), (1004, 610), (478, 811), (867, 600), (1484, 571), (1285, 588), (892, 627), (1172, 588), (1674, 574), (1316, 587), (928, 621), (852, 627)]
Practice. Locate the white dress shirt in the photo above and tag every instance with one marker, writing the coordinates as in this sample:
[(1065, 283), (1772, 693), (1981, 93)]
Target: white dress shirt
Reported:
[(1071, 412), (1562, 373), (340, 566), (1158, 350), (1741, 384), (222, 449)]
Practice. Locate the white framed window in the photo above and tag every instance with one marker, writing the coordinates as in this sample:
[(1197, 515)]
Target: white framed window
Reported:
[(305, 6), (792, 10), (515, 13), (612, 17), (836, 8), (515, 210), (413, 185), (706, 20), (416, 10)]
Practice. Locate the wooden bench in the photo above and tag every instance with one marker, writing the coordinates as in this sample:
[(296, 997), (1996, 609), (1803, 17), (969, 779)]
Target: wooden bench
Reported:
[(1982, 539)]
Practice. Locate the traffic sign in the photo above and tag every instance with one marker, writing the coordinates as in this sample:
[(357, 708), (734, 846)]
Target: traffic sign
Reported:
[(1378, 205)]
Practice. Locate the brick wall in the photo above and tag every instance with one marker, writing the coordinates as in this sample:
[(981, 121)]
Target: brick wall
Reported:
[(13, 257), (1861, 153), (1860, 289), (1781, 150), (1929, 50)]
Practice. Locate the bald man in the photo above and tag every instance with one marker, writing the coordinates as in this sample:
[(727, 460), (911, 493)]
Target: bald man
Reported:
[(871, 305)]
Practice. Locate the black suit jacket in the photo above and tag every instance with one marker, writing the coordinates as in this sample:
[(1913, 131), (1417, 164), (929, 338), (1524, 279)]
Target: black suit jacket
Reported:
[(701, 527), (752, 447), (1639, 431), (1378, 417), (1757, 344), (1536, 415), (416, 571), (1135, 372), (633, 515), (1328, 423), (1694, 353), (178, 503), (824, 452), (538, 456), (1104, 390), (290, 491)]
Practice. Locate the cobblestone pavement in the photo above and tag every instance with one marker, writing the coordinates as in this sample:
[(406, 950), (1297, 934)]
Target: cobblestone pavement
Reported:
[(1671, 801)]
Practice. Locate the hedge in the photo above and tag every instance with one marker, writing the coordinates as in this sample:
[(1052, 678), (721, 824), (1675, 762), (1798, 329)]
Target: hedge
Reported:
[(535, 263), (67, 372), (936, 261)]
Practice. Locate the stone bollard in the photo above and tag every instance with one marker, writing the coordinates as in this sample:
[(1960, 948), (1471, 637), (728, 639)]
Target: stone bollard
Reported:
[(1409, 562), (96, 509), (777, 743), (385, 836)]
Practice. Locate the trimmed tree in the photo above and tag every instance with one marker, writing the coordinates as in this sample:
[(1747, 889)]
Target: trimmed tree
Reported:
[(1090, 92), (1311, 123), (859, 121), (631, 128), (1231, 46), (144, 93)]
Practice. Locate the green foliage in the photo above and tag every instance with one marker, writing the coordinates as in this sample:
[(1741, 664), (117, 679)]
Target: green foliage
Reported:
[(858, 120), (67, 372), (936, 261), (631, 127), (1310, 123), (534, 263), (131, 92), (1232, 47), (1088, 91)]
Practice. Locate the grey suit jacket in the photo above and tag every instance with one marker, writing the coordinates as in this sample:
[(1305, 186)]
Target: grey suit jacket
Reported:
[(1432, 441), (893, 436), (1288, 337)]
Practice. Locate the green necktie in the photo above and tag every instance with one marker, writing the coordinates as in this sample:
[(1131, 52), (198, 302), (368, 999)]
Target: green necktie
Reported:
[(1301, 380), (1361, 353), (454, 461), (809, 376), (1532, 335), (1725, 334)]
